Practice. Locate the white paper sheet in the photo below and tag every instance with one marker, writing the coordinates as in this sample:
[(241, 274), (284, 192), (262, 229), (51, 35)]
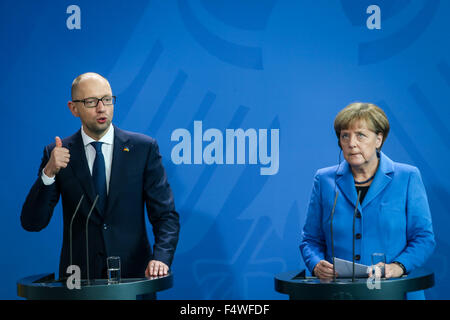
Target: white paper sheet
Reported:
[(344, 269)]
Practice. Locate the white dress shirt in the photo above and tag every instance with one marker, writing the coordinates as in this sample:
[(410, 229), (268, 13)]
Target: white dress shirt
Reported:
[(107, 150)]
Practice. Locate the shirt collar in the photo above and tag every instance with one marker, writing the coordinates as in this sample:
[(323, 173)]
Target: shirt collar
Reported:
[(108, 138)]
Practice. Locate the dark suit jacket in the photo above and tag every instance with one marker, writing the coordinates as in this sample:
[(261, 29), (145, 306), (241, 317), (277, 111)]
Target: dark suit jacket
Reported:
[(137, 179)]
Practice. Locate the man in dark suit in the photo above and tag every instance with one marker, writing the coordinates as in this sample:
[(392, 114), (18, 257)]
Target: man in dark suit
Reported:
[(125, 170)]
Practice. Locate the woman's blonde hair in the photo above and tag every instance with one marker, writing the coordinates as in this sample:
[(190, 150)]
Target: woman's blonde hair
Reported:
[(373, 115)]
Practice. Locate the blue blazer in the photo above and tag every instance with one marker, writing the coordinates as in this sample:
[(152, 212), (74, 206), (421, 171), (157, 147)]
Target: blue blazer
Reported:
[(137, 179), (395, 216)]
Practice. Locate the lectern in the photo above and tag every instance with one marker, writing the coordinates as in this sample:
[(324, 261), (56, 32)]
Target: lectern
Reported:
[(45, 287), (300, 287)]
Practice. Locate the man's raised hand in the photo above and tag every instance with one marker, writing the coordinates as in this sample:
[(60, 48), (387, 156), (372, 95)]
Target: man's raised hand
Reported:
[(59, 159)]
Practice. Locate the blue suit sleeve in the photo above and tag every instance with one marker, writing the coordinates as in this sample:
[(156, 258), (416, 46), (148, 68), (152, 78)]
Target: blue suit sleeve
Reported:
[(160, 208), (420, 236), (313, 243), (38, 208)]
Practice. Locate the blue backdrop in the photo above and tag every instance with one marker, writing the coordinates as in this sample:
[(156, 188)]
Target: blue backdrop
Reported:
[(262, 64)]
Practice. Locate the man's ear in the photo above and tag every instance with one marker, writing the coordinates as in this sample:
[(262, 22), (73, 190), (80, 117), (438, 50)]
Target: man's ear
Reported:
[(73, 108)]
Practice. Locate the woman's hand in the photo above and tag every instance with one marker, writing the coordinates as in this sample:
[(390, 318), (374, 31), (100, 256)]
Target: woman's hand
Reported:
[(324, 270), (393, 270)]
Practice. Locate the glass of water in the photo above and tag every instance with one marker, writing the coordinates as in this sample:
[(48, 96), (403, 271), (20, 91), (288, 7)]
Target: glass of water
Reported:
[(113, 269), (378, 265)]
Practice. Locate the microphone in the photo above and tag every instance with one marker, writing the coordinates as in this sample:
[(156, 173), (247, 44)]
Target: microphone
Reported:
[(71, 222), (87, 237), (331, 234), (353, 236)]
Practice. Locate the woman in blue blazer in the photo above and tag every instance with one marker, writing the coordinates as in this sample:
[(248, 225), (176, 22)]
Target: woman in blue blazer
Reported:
[(393, 214)]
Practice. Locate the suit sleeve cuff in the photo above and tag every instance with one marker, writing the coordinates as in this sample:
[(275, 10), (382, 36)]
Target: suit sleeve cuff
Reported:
[(311, 264), (47, 180), (167, 259), (401, 266), (403, 262)]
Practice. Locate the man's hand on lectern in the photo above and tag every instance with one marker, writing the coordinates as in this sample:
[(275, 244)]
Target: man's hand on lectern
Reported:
[(59, 159), (156, 268)]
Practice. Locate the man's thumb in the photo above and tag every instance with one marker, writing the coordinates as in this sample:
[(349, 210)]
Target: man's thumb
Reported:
[(58, 142)]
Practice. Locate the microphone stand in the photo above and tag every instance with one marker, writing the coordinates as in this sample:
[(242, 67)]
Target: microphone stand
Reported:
[(87, 237), (71, 222), (353, 236), (331, 234)]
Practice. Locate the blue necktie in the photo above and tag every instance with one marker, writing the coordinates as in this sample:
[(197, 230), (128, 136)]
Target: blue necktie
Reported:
[(99, 176)]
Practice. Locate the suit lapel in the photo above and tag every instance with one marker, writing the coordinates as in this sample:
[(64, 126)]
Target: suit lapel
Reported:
[(381, 180), (80, 168), (346, 183), (120, 153)]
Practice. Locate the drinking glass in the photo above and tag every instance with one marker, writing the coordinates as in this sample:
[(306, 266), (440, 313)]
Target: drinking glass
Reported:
[(113, 269), (378, 265)]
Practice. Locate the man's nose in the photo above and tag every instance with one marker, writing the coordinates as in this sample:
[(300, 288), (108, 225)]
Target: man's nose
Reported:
[(100, 106)]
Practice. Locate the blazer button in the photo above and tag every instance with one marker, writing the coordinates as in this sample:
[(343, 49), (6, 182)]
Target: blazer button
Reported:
[(358, 215), (358, 236), (357, 257)]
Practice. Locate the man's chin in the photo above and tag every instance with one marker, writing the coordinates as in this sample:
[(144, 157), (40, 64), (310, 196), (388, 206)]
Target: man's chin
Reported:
[(102, 128), (99, 129)]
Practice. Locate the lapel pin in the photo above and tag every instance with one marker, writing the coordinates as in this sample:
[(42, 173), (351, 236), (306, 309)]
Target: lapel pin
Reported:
[(126, 149)]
